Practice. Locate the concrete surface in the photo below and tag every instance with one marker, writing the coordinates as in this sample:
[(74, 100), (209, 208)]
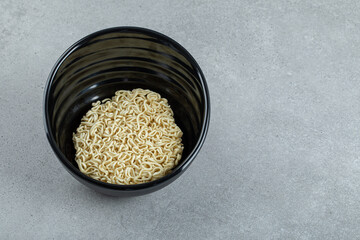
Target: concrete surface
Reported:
[(281, 160)]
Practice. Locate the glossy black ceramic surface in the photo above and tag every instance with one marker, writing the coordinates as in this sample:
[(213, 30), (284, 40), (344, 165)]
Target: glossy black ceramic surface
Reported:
[(125, 58)]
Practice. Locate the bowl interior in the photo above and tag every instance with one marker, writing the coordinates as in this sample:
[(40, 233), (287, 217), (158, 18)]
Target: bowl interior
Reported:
[(97, 66)]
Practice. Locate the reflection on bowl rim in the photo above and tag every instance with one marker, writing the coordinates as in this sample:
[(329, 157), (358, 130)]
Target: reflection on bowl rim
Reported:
[(185, 163)]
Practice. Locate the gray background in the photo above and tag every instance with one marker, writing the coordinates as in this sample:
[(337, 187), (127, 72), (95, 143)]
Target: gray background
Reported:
[(281, 160)]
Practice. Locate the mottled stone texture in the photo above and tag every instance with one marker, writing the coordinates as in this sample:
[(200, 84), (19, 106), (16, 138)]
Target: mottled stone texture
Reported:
[(281, 160)]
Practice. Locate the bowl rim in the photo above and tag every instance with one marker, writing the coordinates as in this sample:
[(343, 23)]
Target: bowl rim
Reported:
[(190, 157)]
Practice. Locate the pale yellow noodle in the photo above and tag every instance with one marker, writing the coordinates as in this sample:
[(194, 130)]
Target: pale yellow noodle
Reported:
[(131, 138)]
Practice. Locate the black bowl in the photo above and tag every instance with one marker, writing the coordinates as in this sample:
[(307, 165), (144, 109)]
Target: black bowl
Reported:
[(125, 58)]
